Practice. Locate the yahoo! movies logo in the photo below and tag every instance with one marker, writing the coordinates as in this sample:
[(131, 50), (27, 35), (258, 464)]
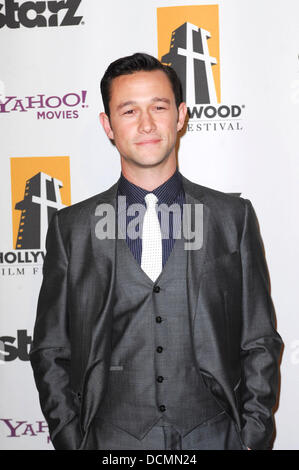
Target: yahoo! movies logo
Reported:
[(39, 14), (24, 428), (46, 107), (188, 41)]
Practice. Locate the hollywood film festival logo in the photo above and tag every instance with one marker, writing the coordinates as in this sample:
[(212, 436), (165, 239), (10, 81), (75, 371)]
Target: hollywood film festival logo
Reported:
[(190, 35), (40, 186)]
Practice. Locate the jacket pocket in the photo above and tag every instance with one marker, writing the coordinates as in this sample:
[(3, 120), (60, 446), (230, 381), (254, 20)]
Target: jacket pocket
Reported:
[(216, 390), (224, 261), (120, 368)]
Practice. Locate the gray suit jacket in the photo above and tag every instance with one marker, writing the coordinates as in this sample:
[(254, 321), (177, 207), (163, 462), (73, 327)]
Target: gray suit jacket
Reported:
[(71, 348)]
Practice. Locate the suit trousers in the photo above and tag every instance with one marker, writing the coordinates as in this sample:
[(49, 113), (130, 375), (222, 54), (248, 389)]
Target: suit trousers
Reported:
[(218, 433)]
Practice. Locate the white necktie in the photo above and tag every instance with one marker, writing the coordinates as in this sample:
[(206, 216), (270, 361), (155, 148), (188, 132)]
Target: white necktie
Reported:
[(151, 258)]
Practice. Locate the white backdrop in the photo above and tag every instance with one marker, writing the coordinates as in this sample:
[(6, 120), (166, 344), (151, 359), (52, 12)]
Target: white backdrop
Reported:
[(259, 47)]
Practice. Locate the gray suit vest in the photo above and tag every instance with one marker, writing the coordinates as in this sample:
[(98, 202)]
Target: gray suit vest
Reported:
[(152, 377)]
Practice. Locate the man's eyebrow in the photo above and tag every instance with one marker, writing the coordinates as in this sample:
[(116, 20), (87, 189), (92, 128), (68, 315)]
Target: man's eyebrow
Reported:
[(131, 102), (165, 100), (126, 103)]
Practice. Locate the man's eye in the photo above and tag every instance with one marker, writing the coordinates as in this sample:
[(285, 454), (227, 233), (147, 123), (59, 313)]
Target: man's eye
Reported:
[(159, 108), (130, 111)]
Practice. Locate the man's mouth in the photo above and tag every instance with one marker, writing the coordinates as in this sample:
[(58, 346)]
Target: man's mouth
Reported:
[(151, 141)]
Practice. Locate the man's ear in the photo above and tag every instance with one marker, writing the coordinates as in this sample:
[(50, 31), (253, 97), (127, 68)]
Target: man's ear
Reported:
[(182, 111), (104, 120)]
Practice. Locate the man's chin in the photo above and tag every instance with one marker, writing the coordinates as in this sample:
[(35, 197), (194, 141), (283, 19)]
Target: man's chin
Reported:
[(147, 162)]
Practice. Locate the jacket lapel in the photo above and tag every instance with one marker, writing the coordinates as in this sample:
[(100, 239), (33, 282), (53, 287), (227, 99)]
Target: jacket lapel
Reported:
[(196, 258)]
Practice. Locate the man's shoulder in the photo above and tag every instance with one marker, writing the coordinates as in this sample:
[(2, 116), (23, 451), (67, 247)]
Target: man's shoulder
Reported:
[(227, 211), (214, 198), (82, 210)]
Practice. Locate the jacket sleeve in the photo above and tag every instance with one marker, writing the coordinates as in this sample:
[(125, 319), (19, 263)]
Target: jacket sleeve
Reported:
[(260, 344), (50, 350)]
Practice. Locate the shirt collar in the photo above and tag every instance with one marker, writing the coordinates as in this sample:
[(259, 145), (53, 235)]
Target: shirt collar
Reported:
[(166, 192)]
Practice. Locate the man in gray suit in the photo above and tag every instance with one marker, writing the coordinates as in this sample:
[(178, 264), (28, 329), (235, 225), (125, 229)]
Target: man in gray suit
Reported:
[(146, 342)]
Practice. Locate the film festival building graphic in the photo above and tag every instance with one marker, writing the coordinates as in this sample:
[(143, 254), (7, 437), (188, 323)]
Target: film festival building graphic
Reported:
[(189, 56), (40, 187), (190, 35), (188, 41)]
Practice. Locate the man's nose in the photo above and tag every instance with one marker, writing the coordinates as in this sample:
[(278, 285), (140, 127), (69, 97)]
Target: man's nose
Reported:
[(146, 123)]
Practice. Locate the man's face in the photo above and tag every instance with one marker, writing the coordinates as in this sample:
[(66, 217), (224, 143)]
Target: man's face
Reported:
[(144, 119)]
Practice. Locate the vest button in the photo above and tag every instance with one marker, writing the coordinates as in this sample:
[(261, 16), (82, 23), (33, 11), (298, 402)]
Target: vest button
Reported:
[(159, 349), (162, 408), (156, 289), (160, 379), (158, 319)]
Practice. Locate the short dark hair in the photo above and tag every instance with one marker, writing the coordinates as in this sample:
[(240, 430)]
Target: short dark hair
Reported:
[(136, 63)]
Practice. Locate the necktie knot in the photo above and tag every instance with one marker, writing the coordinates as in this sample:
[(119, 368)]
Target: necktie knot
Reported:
[(150, 200)]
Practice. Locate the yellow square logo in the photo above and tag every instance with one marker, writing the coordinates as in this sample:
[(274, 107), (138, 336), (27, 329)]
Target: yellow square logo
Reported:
[(188, 41), (40, 186)]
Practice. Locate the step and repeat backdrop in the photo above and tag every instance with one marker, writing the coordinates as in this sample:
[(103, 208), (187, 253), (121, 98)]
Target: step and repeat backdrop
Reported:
[(238, 62)]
